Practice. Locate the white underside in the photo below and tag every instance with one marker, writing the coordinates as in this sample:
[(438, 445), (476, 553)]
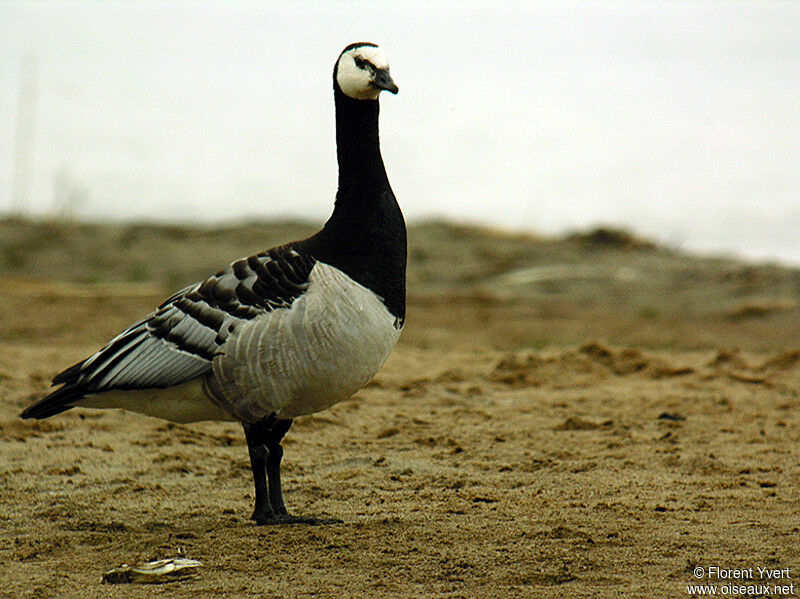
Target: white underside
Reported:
[(182, 403), (290, 362)]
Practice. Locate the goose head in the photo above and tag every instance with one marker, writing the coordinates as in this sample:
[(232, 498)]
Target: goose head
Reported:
[(362, 72)]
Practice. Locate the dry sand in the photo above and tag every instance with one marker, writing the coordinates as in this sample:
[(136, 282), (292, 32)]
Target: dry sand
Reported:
[(557, 421)]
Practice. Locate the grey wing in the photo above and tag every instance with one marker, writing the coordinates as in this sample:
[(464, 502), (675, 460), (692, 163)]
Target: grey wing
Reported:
[(178, 342), (167, 348)]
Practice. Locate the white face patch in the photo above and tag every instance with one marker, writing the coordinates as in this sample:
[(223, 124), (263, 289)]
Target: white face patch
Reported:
[(355, 81)]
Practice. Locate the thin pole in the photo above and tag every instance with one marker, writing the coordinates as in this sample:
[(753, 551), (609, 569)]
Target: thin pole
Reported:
[(25, 134)]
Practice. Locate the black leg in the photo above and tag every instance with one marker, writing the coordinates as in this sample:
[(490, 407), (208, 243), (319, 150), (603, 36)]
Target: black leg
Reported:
[(256, 447), (264, 444), (258, 457), (275, 454)]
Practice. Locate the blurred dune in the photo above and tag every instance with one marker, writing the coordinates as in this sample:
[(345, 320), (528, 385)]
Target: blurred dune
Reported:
[(519, 290)]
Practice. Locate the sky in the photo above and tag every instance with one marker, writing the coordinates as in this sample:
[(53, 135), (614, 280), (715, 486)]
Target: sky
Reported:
[(679, 120)]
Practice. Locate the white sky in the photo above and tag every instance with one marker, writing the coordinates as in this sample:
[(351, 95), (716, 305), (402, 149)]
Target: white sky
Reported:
[(678, 119)]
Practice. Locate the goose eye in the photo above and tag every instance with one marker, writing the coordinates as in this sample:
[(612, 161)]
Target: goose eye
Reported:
[(360, 62)]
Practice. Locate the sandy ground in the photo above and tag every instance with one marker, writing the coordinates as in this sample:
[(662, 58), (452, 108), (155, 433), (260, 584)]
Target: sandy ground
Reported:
[(503, 451)]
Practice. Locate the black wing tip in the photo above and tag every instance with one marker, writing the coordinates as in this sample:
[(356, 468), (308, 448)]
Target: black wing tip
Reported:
[(60, 400), (70, 375)]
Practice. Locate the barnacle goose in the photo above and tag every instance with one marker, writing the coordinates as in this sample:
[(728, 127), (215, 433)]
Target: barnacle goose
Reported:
[(284, 333)]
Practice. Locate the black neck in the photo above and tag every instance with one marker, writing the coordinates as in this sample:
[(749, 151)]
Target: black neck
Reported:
[(357, 146), (365, 236)]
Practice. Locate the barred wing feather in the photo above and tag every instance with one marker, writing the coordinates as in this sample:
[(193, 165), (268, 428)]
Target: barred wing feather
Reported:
[(178, 341)]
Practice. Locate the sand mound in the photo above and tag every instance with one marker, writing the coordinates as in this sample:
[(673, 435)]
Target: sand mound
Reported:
[(591, 362)]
